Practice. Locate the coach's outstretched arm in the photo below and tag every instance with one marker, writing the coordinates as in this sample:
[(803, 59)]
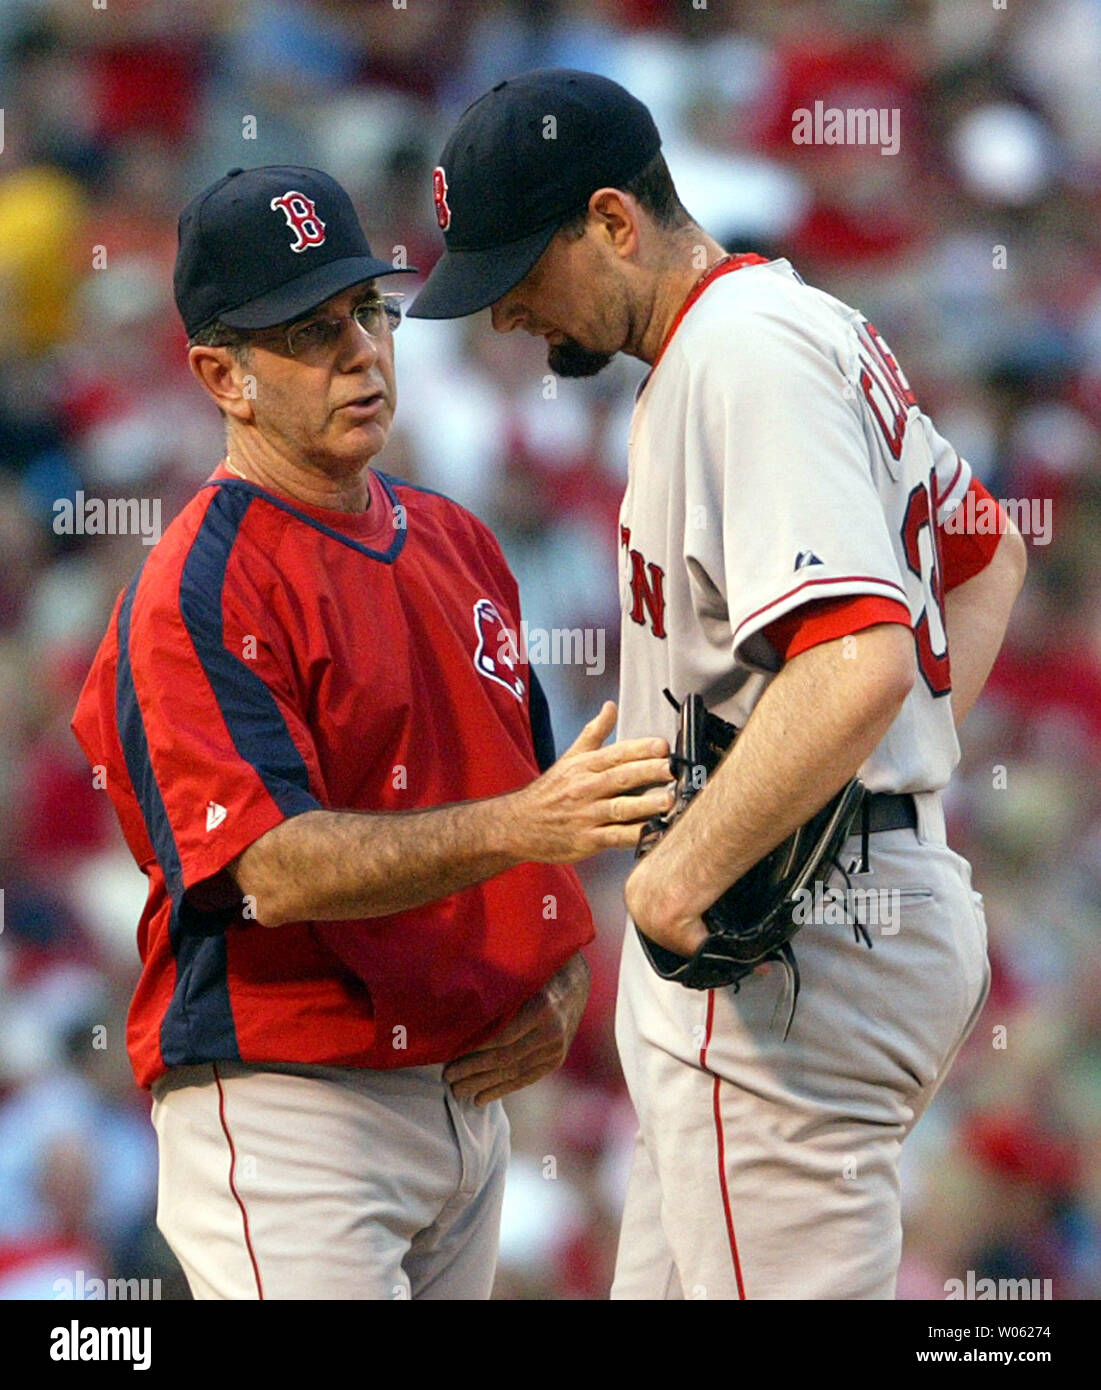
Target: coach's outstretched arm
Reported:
[(819, 719), (337, 865)]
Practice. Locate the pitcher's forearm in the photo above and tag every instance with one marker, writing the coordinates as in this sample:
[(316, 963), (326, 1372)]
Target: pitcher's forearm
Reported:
[(976, 615), (809, 733)]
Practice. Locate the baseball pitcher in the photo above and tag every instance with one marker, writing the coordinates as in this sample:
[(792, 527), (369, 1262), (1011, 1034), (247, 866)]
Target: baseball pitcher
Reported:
[(806, 953)]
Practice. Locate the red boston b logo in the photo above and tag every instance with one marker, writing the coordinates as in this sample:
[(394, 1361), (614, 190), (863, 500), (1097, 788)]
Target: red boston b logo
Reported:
[(439, 193), (302, 219)]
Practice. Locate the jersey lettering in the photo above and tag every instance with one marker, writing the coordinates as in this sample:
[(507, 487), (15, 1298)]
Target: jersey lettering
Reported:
[(885, 387), (921, 546), (648, 595)]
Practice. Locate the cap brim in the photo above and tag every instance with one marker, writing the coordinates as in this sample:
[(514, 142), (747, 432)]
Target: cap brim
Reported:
[(462, 282), (308, 291)]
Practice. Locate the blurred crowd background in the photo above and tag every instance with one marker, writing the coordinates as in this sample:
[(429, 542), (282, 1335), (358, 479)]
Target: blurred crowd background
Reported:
[(115, 117)]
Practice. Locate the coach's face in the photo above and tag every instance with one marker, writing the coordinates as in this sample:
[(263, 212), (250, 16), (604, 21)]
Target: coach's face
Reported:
[(576, 296), (324, 384)]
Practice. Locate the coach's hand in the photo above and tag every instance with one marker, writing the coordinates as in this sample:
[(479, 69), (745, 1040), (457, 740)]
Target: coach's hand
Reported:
[(533, 1045), (583, 803)]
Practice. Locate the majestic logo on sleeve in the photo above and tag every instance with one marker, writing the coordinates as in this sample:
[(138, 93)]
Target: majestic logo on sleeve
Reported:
[(497, 656), (439, 194), (215, 815), (302, 219), (647, 587)]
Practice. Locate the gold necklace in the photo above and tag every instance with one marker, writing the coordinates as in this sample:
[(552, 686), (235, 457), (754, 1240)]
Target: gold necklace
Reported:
[(235, 470)]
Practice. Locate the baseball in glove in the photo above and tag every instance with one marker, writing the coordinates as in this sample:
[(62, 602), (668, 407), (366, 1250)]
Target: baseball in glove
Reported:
[(754, 919)]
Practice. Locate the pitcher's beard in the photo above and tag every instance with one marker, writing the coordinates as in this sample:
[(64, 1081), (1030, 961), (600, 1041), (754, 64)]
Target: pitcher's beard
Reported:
[(571, 359)]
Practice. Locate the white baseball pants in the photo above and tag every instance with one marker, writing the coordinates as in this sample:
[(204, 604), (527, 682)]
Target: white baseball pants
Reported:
[(288, 1182), (767, 1168)]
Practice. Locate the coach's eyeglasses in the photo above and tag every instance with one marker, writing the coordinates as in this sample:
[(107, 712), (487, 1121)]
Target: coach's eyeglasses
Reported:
[(313, 340)]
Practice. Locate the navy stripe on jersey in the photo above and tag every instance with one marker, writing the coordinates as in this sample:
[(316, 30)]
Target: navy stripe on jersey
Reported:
[(241, 487), (256, 726), (198, 1023), (542, 735), (135, 748)]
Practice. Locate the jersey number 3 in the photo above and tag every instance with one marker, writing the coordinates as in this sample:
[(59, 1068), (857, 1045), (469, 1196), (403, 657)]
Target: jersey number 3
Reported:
[(919, 541)]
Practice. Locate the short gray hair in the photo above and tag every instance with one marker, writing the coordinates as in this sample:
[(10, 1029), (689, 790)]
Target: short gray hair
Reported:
[(219, 334)]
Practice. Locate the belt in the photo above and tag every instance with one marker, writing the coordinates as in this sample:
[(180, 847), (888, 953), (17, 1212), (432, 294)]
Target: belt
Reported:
[(889, 811), (884, 811)]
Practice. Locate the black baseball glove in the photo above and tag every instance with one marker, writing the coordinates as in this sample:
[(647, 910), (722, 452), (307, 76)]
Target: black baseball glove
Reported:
[(754, 919)]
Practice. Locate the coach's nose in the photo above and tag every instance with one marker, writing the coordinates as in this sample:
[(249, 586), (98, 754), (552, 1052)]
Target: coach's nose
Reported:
[(357, 346)]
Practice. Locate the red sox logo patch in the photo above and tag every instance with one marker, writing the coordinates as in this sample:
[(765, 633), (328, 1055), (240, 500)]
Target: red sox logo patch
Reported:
[(496, 656), (302, 219), (439, 194)]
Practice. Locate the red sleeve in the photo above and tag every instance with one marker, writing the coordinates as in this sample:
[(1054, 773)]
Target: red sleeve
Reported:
[(828, 619), (966, 549)]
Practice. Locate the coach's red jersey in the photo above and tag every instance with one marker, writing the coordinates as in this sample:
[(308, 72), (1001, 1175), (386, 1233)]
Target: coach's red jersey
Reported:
[(272, 658)]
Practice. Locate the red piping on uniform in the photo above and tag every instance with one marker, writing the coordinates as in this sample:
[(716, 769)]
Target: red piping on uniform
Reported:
[(810, 583), (233, 1182), (722, 1150), (948, 490)]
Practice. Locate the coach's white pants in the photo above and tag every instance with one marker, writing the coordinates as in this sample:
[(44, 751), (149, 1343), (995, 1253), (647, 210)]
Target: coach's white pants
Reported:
[(767, 1168), (283, 1182)]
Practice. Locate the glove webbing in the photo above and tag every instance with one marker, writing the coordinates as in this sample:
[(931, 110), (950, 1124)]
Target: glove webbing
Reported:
[(785, 954)]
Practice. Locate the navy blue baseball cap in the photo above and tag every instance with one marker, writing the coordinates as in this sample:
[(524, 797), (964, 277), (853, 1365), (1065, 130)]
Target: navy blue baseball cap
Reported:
[(262, 246), (523, 159)]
